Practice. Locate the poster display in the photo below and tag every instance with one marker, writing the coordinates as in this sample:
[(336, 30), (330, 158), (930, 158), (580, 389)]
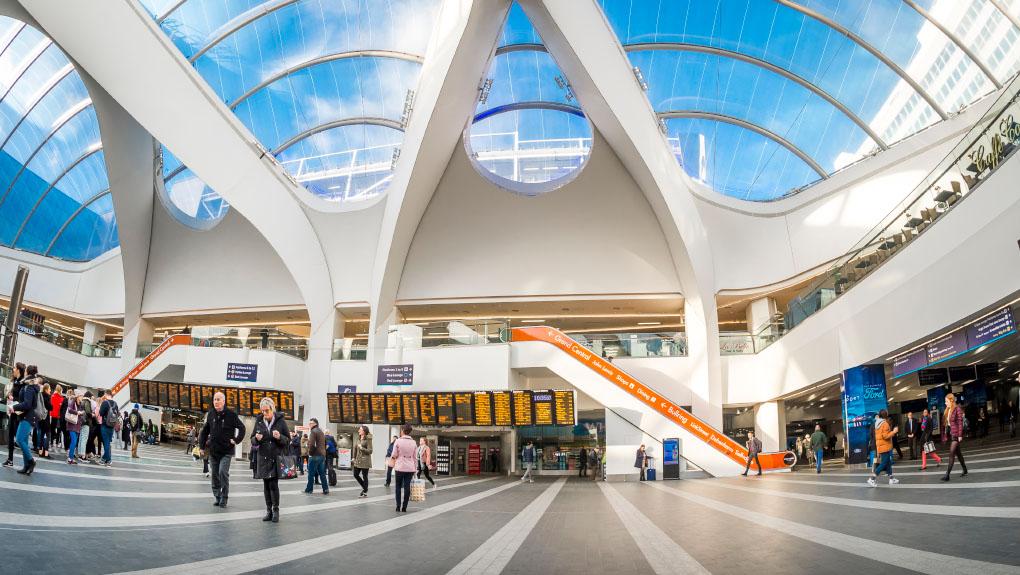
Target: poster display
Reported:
[(502, 412), (864, 395)]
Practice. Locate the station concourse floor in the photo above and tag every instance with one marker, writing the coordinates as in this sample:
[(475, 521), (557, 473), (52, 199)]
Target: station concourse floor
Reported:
[(155, 515)]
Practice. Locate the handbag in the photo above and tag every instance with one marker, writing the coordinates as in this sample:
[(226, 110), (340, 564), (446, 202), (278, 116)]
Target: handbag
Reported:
[(288, 467), (70, 417), (929, 447), (417, 490)]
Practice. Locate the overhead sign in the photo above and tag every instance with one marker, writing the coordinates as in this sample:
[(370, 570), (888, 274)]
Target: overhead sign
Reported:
[(991, 328), (346, 388), (947, 346), (247, 372), (244, 401), (395, 374), (911, 362)]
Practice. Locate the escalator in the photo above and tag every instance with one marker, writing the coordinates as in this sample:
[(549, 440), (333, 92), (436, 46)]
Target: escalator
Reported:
[(643, 407), (121, 387)]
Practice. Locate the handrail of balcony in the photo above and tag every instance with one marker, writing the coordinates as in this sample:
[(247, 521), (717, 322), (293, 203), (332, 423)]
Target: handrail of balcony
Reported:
[(62, 338), (268, 337), (627, 344)]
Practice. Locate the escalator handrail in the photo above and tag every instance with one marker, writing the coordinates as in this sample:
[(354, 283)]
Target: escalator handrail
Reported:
[(173, 340)]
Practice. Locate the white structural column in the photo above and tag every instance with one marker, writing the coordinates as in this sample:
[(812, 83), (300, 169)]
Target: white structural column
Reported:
[(93, 333), (586, 49), (455, 61), (770, 425), (759, 315), (147, 75)]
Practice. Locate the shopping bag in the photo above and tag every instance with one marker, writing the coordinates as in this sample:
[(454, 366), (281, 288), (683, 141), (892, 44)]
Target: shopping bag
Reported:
[(417, 490), (332, 476), (929, 447), (288, 467)]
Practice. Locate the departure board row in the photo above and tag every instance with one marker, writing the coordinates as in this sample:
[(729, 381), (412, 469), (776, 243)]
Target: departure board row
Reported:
[(462, 408), (199, 397)]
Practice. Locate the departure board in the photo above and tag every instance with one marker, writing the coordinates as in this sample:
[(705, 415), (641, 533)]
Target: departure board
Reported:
[(393, 412), (256, 398), (348, 408), (184, 397), (164, 393), (287, 404), (364, 408), (153, 393), (523, 413), (501, 410), (410, 405), (427, 413), (207, 393), (171, 395), (444, 409), (232, 401), (543, 402), (563, 407), (483, 408), (378, 407), (275, 395), (244, 401), (196, 397), (463, 409), (134, 392), (143, 392), (333, 407)]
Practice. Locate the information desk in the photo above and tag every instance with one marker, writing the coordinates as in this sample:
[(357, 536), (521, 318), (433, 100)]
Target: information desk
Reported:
[(461, 408), (244, 401)]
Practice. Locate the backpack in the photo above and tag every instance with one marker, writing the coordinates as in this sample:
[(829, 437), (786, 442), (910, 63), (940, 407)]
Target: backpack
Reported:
[(112, 418), (40, 406), (330, 445)]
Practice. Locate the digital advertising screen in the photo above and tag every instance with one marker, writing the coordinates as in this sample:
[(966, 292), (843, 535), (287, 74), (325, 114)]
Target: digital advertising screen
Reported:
[(864, 395)]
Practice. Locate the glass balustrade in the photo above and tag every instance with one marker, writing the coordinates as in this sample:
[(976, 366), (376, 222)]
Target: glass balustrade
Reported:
[(613, 345), (62, 338)]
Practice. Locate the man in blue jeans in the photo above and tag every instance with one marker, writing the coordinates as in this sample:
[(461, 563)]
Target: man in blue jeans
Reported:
[(109, 415), (316, 457), (818, 441)]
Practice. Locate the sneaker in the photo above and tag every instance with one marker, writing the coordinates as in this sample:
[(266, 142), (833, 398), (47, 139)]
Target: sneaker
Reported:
[(108, 464), (8, 463), (871, 482), (893, 481), (363, 494)]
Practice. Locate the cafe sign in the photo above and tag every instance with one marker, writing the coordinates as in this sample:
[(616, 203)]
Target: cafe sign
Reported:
[(987, 155)]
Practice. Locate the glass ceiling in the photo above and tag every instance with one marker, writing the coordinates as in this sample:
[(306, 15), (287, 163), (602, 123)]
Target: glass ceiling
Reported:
[(760, 99), (55, 198), (322, 84), (187, 197), (529, 133)]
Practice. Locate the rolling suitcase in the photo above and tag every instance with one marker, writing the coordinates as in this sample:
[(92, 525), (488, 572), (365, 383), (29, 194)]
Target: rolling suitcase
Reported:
[(332, 476)]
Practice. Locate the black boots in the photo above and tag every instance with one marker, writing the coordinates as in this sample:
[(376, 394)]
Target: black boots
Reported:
[(28, 469), (269, 514), (276, 514), (216, 503), (223, 502)]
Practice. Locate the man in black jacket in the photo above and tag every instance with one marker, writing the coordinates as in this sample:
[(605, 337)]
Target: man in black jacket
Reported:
[(910, 425), (221, 432), (135, 425)]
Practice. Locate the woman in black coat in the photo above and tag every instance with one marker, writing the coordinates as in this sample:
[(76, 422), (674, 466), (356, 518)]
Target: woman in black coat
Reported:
[(272, 439)]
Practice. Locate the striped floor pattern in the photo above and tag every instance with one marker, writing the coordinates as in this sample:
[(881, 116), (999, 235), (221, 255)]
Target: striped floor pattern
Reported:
[(155, 512)]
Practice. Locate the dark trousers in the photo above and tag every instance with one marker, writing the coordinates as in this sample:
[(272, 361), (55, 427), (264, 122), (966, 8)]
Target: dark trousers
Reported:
[(582, 470), (425, 469), (954, 452), (912, 442), (642, 473), (403, 488), (754, 457), (12, 432), (92, 441), (389, 475), (271, 491), (219, 466), (361, 476)]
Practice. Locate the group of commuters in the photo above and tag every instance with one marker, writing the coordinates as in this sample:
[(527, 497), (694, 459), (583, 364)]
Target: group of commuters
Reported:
[(884, 431), (44, 418), (423, 461)]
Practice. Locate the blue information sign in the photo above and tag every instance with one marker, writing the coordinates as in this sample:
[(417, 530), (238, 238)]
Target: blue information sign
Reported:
[(346, 389), (864, 396), (247, 372), (395, 375)]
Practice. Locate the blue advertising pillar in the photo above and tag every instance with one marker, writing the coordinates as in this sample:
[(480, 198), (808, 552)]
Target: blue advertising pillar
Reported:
[(864, 396), (936, 403)]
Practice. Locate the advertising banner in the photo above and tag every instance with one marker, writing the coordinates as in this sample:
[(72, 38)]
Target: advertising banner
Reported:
[(864, 395), (936, 403)]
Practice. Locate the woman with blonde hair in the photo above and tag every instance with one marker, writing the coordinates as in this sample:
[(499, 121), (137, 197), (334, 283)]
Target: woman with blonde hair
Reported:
[(271, 438), (954, 434)]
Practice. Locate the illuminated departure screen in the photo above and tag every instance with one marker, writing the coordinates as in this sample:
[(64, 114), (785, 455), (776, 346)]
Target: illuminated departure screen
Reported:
[(256, 398), (523, 414), (143, 391), (483, 408), (171, 395), (275, 395), (543, 402), (287, 404), (196, 397), (153, 393), (184, 396), (427, 403), (364, 408), (164, 401), (465, 415), (563, 407), (231, 393), (348, 408), (378, 407), (393, 413), (444, 409), (501, 411), (134, 392), (410, 405), (244, 401), (207, 393), (333, 407)]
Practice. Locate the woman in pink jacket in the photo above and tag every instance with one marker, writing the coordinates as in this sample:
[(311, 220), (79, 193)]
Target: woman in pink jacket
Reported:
[(403, 465)]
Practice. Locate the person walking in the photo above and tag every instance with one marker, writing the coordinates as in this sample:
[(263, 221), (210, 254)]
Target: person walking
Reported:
[(28, 412), (818, 441), (809, 455), (316, 457), (954, 434), (389, 453), (361, 458), (423, 458), (910, 427), (871, 441), (528, 456), (135, 425), (56, 425), (125, 434), (641, 461), (331, 453), (109, 423), (753, 449), (272, 440), (72, 422), (1011, 419), (403, 466), (222, 431), (582, 463), (884, 433), (593, 462), (190, 440), (13, 419), (85, 403), (44, 419), (927, 427)]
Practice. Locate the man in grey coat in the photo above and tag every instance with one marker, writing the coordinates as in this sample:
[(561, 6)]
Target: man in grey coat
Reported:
[(753, 449)]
